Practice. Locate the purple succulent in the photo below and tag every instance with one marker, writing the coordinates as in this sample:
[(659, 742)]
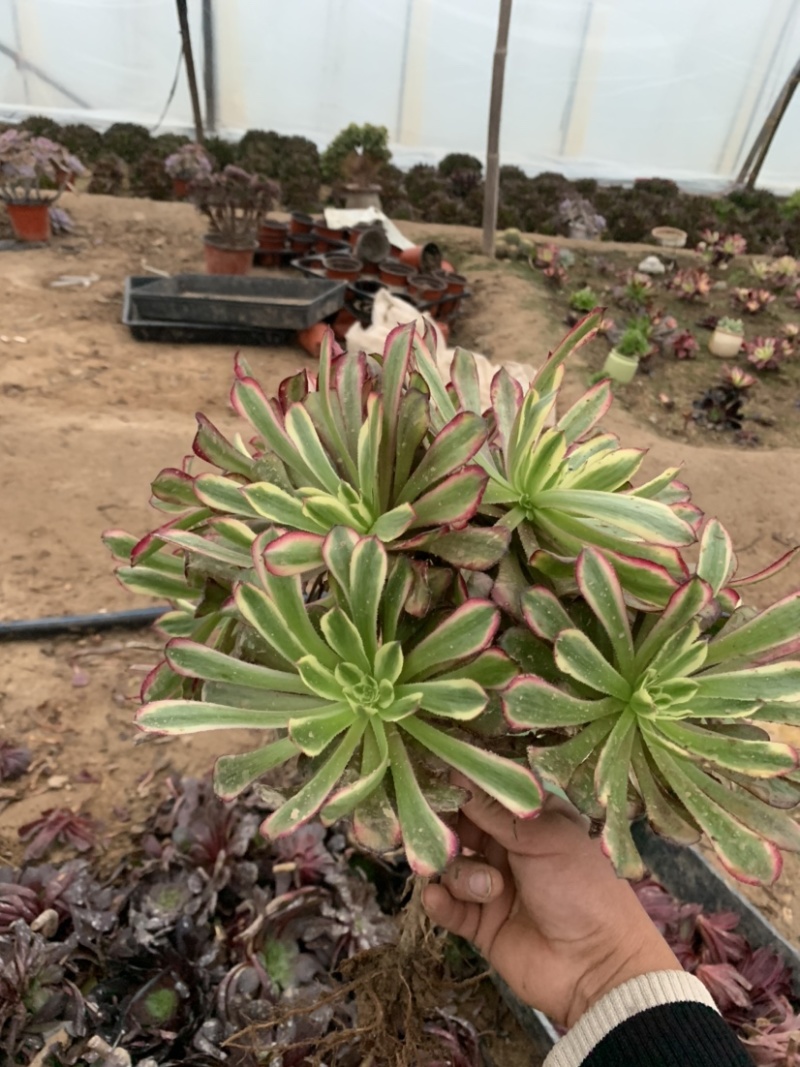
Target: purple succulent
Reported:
[(14, 760), (58, 826)]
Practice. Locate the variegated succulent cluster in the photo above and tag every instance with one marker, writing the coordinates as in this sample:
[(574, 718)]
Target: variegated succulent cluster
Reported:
[(393, 580)]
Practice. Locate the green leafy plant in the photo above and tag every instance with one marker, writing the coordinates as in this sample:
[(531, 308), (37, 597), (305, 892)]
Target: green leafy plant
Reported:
[(367, 140), (658, 711), (766, 353), (730, 325), (635, 339), (394, 581), (584, 300)]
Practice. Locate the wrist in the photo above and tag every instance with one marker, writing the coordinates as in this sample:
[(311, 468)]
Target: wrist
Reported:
[(632, 955)]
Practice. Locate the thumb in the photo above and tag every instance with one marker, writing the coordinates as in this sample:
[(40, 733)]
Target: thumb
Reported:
[(459, 917)]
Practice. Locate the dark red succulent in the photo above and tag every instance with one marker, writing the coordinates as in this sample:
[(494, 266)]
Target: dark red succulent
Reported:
[(14, 760), (58, 826)]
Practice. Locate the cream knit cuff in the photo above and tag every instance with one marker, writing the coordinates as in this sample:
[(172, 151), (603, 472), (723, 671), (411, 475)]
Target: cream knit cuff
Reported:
[(637, 995)]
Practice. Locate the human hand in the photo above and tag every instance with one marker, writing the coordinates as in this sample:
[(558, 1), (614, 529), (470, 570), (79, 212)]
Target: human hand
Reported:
[(544, 907)]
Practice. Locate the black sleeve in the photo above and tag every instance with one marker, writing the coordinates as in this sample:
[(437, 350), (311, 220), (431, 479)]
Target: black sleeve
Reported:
[(671, 1035)]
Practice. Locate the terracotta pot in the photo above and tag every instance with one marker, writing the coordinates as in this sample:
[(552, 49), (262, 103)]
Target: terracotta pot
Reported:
[(456, 283), (301, 242), (269, 258), (426, 258), (272, 235), (30, 222), (311, 265), (621, 368), (393, 272), (311, 338), (356, 231), (342, 323), (341, 267), (300, 222), (669, 236), (373, 246), (223, 260), (724, 344), (326, 233), (427, 290), (180, 187)]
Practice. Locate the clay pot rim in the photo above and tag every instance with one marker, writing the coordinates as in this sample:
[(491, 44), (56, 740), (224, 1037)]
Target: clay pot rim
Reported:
[(397, 266), (354, 187), (728, 333), (341, 261), (217, 241), (664, 233), (427, 281), (39, 202)]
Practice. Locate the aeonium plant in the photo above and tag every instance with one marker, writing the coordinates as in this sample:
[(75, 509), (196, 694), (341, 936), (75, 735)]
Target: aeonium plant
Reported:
[(34, 169), (188, 163), (394, 581), (356, 685)]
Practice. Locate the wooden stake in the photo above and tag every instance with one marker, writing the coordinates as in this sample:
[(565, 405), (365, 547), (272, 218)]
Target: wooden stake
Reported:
[(183, 19), (492, 187)]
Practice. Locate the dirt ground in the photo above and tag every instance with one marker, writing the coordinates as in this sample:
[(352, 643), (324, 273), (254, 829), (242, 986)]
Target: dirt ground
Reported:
[(88, 416)]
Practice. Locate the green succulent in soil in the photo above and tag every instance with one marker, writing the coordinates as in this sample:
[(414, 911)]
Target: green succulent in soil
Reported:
[(392, 580)]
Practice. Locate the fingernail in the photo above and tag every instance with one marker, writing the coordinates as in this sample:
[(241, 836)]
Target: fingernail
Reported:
[(480, 884)]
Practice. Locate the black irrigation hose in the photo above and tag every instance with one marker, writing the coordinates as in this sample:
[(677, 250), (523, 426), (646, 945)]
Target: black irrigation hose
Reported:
[(27, 629)]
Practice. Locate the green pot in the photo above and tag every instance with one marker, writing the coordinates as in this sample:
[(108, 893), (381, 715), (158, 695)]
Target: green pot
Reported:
[(620, 368)]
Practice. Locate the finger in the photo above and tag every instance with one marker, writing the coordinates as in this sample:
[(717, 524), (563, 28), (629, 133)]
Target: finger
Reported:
[(555, 805), (472, 880), (461, 918), (488, 816)]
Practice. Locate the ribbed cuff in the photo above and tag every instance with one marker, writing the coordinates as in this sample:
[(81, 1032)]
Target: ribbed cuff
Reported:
[(627, 1000)]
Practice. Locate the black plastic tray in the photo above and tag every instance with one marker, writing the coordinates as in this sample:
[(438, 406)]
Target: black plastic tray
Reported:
[(270, 302), (143, 329)]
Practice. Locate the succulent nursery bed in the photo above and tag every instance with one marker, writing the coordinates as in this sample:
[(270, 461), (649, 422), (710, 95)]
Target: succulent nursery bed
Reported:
[(108, 414), (751, 399)]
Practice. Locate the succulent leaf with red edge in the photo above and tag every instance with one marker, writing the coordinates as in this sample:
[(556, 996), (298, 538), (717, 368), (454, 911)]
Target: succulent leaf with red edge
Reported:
[(561, 488), (362, 694), (656, 711)]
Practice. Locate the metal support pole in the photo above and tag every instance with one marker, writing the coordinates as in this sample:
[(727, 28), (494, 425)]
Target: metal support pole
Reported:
[(758, 153), (492, 187), (191, 74), (209, 66)]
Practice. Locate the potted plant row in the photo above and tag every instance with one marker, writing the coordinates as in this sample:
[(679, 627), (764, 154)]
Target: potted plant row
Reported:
[(34, 171)]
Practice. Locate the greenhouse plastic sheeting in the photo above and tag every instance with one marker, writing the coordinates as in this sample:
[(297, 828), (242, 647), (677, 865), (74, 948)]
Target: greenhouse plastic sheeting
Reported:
[(614, 89)]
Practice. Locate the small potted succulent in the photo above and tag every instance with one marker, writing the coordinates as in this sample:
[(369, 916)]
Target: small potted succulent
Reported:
[(622, 361), (234, 202), (190, 162), (583, 222), (726, 340), (33, 173)]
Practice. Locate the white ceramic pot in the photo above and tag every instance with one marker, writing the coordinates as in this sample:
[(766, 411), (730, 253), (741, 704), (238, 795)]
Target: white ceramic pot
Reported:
[(621, 368), (724, 344), (670, 236)]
